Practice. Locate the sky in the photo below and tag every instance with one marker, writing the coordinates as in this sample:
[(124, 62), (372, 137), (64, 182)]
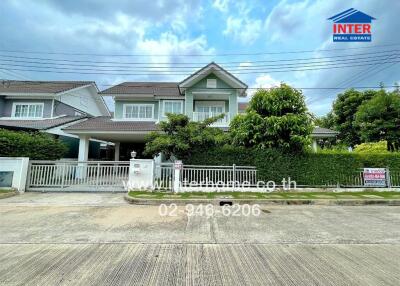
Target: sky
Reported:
[(239, 35)]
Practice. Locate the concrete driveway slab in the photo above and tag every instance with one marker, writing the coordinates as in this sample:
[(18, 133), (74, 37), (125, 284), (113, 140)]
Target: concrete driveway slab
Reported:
[(99, 239)]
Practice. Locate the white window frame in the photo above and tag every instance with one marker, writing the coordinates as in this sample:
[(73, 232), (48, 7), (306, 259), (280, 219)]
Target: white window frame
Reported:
[(15, 104), (173, 101), (211, 104), (125, 105), (211, 83)]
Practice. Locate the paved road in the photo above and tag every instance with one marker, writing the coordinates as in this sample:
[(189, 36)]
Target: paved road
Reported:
[(98, 239)]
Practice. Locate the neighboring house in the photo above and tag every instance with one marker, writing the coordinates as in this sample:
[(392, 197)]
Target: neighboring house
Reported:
[(139, 106), (50, 106)]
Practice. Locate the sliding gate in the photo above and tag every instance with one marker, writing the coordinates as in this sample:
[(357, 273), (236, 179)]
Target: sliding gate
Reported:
[(88, 176)]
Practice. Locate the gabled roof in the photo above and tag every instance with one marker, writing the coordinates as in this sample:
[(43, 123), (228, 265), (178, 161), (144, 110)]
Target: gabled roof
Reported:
[(54, 87), (41, 124), (218, 71), (320, 132), (352, 16), (144, 88)]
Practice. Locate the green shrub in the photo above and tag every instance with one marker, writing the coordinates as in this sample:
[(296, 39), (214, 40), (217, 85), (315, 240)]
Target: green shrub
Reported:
[(324, 168), (373, 147), (36, 146)]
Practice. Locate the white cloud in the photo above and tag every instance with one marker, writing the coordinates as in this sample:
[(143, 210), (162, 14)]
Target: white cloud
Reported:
[(221, 5), (266, 81), (172, 47), (243, 29)]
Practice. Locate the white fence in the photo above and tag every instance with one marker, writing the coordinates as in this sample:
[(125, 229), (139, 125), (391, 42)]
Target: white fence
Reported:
[(164, 176), (201, 116), (77, 176)]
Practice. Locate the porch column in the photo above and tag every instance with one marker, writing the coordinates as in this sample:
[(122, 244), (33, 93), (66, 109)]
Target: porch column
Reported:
[(233, 106), (189, 104), (82, 156), (117, 146), (83, 148), (314, 145)]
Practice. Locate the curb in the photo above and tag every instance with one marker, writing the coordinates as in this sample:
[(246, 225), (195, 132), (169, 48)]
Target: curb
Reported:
[(8, 195), (321, 202)]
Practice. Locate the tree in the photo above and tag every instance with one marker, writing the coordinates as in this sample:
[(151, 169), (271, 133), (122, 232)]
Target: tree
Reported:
[(344, 110), (379, 119), (275, 118), (327, 121), (180, 137)]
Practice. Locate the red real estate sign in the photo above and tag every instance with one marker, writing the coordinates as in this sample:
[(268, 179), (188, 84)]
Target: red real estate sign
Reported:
[(375, 177)]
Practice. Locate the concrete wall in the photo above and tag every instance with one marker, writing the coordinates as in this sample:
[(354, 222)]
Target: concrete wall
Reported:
[(19, 167), (8, 104)]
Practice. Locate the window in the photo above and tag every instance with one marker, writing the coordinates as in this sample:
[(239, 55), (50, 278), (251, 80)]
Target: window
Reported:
[(211, 83), (28, 110), (139, 111), (173, 107)]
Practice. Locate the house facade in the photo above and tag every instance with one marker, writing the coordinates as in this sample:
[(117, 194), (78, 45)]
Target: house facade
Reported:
[(139, 106), (49, 107)]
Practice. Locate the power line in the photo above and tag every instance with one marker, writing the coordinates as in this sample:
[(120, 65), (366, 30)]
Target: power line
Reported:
[(193, 55), (190, 64), (166, 73), (16, 83), (160, 68)]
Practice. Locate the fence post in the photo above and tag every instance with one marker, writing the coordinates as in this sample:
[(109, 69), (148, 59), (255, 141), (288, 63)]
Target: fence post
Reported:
[(234, 175), (62, 176), (97, 175), (388, 181), (177, 176)]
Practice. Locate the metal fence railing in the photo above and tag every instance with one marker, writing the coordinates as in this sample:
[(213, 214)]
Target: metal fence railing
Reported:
[(73, 175), (164, 176)]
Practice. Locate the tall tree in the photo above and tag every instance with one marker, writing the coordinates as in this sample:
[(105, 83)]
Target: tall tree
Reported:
[(276, 118), (344, 109), (379, 119)]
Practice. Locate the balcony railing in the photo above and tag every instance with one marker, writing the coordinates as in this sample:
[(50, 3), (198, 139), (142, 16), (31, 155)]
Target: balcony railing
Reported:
[(201, 116)]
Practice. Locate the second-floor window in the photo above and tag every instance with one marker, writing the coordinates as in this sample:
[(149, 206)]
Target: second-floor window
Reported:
[(139, 111), (173, 107), (28, 110)]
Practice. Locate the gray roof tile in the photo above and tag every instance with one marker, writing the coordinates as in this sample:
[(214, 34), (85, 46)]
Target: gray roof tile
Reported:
[(42, 124), (145, 88), (107, 124), (15, 86)]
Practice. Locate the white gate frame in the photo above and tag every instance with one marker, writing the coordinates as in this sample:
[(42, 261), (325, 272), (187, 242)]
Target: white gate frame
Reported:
[(69, 176)]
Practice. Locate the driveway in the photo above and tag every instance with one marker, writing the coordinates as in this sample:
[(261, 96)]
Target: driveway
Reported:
[(98, 239)]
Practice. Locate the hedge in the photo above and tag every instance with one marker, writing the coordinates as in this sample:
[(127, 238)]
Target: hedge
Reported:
[(36, 146), (325, 168)]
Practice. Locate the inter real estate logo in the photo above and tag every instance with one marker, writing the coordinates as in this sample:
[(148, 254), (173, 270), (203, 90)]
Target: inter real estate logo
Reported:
[(352, 26)]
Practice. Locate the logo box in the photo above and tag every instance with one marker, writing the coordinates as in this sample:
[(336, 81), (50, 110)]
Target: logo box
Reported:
[(352, 26)]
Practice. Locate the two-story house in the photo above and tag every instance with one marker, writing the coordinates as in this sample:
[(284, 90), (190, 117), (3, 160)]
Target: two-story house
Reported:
[(139, 106), (49, 107)]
